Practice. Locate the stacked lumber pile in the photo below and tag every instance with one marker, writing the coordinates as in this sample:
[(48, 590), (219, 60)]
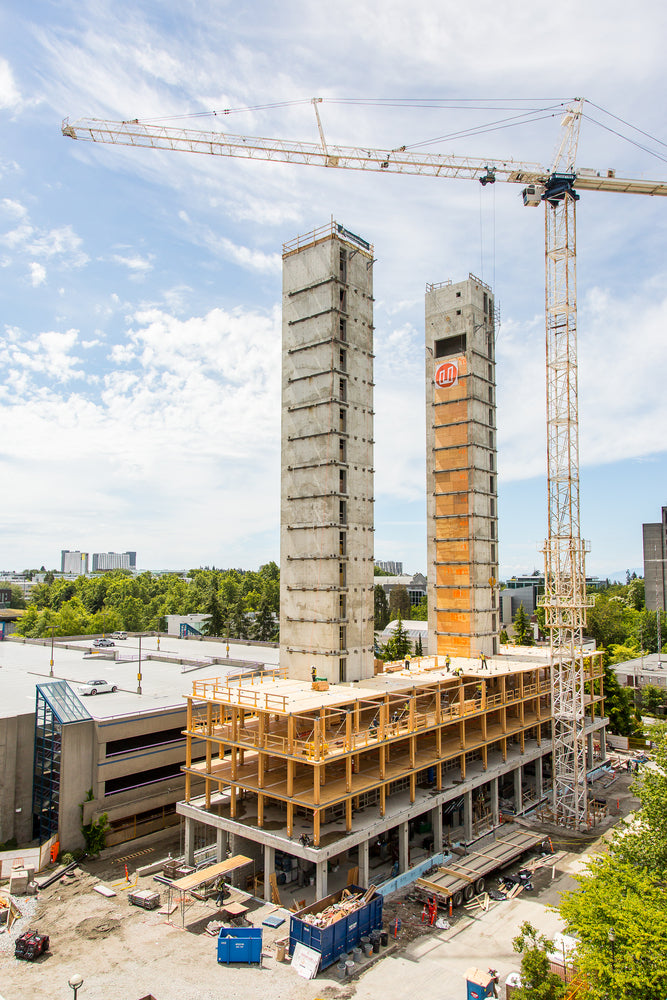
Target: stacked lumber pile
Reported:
[(347, 904)]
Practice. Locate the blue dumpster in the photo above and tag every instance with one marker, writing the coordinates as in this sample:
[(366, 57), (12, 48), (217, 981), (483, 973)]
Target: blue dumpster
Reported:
[(240, 944), (340, 936)]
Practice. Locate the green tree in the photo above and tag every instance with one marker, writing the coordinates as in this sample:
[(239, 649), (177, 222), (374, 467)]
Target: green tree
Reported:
[(265, 628), (652, 699), (610, 620), (636, 594), (538, 982), (17, 600), (398, 646), (642, 840), (618, 705), (419, 612), (619, 915), (419, 647), (380, 607), (239, 622), (399, 601), (214, 624), (523, 633)]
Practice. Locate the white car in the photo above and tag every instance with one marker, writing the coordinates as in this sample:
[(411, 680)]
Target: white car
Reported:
[(96, 687), (119, 635)]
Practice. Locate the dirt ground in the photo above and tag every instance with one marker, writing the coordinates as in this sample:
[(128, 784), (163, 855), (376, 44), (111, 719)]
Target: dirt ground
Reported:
[(127, 953)]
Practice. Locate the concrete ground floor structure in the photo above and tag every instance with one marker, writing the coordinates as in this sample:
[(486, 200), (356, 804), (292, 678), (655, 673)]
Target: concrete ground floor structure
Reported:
[(459, 814)]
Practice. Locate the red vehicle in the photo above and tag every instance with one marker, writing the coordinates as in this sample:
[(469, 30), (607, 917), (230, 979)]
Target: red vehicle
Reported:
[(30, 945)]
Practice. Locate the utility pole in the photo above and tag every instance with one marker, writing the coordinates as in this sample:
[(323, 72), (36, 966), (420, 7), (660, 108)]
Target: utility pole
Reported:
[(139, 671)]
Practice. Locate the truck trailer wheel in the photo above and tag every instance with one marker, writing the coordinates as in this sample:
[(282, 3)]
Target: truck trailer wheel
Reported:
[(468, 892), (479, 886), (457, 898)]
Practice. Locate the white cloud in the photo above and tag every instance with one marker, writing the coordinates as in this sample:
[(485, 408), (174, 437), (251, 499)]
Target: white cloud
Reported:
[(9, 94), (37, 274), (48, 354), (138, 266)]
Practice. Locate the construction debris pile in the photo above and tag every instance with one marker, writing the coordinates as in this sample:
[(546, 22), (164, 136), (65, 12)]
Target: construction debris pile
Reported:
[(347, 904)]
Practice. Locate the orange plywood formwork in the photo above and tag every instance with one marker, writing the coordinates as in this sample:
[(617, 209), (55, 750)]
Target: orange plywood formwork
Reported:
[(451, 435), (452, 575), (453, 457), (451, 481), (455, 503), (451, 411)]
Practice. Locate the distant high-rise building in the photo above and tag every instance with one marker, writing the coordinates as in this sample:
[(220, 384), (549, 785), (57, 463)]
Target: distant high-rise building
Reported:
[(103, 561), (655, 563), (461, 474), (389, 566), (326, 537), (73, 562)]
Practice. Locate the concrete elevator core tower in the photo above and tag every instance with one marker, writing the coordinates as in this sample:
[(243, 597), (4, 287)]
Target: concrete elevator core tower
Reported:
[(461, 469), (326, 517)]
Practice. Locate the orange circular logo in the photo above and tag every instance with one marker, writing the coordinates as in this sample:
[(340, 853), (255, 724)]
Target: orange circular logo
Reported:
[(447, 374)]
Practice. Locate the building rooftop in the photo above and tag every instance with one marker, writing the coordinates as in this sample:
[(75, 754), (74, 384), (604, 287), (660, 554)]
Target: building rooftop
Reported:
[(165, 681)]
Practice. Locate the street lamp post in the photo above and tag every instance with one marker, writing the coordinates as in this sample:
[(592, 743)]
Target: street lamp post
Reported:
[(52, 630), (75, 983), (139, 671)]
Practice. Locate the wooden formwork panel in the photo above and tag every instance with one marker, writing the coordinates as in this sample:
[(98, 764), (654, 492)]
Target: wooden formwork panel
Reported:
[(451, 411), (447, 437), (454, 645), (450, 576), (455, 598), (447, 552), (453, 458), (455, 504), (449, 480), (453, 527)]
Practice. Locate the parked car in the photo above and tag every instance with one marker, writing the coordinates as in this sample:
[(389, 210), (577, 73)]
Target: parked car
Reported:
[(103, 642), (96, 687), (119, 635)]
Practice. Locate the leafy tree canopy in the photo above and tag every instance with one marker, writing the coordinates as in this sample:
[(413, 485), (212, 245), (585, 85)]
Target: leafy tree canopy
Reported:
[(619, 915)]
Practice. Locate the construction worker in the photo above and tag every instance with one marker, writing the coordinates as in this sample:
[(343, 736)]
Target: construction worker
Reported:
[(482, 658), (313, 673), (448, 662)]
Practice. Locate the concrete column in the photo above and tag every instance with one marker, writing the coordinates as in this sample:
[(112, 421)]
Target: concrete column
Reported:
[(189, 841), (602, 734), (518, 794), (321, 879), (467, 817), (436, 823), (495, 811), (539, 785), (364, 864), (403, 863), (590, 760), (220, 845), (269, 869)]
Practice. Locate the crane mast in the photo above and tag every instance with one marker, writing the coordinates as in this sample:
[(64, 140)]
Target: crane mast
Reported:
[(565, 600)]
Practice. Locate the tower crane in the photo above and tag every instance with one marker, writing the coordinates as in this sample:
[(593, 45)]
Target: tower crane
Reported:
[(557, 187)]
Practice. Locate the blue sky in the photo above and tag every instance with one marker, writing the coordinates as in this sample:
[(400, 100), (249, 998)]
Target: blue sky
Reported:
[(140, 290)]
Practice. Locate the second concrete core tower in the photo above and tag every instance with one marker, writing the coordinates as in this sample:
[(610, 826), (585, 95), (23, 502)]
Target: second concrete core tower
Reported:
[(326, 517), (461, 472)]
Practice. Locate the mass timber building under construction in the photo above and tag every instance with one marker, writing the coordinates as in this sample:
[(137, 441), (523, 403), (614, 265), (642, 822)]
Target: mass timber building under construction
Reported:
[(319, 775)]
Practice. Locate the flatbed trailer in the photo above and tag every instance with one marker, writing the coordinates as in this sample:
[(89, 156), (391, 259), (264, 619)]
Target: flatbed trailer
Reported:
[(462, 878)]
